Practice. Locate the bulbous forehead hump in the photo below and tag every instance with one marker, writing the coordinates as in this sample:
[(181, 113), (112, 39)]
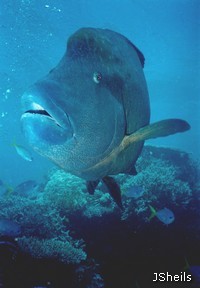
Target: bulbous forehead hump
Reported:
[(88, 42)]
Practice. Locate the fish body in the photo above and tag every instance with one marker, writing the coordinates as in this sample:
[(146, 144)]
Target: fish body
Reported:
[(5, 189), (90, 115), (25, 188), (195, 271), (23, 152), (134, 192), (165, 215), (9, 228), (2, 190)]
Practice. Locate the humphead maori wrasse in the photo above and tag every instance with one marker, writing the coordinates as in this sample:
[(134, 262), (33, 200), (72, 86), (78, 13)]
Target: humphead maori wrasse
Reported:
[(90, 114)]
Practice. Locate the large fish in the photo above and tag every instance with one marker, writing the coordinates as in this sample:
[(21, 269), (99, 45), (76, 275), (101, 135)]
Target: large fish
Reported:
[(90, 114)]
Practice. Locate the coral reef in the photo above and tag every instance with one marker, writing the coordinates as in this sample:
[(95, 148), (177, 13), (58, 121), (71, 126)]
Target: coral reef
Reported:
[(67, 194), (65, 223), (67, 251), (87, 276), (163, 179), (44, 231)]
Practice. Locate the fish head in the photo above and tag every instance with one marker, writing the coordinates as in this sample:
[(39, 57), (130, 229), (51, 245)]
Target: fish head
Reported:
[(166, 216), (75, 115), (9, 228)]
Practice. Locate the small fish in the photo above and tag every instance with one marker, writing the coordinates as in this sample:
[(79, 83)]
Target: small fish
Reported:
[(25, 188), (165, 215), (134, 192), (5, 189), (195, 271), (2, 190), (8, 190), (23, 152), (9, 228)]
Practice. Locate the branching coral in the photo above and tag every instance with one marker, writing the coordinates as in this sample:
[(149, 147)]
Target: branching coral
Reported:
[(44, 231), (68, 195), (65, 192), (162, 179), (64, 250), (35, 217)]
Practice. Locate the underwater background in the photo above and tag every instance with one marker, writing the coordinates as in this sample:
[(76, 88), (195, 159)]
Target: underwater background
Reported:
[(66, 237)]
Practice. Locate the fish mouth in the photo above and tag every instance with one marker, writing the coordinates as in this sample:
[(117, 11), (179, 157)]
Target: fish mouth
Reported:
[(39, 110), (44, 119), (55, 114)]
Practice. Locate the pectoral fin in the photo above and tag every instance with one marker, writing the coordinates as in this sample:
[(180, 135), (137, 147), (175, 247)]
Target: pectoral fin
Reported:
[(113, 189), (159, 129), (91, 186)]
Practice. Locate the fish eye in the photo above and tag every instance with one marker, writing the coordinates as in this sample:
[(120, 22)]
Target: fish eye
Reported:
[(97, 77)]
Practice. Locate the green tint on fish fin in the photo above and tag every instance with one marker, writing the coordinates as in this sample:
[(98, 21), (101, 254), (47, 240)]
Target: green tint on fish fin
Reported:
[(136, 284), (9, 190), (153, 212), (14, 144), (187, 265), (114, 190), (158, 129)]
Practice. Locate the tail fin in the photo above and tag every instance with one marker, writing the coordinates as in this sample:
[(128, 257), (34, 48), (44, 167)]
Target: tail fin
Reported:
[(153, 212), (187, 265), (9, 190), (14, 144)]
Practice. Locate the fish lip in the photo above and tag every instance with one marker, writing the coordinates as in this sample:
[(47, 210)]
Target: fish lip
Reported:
[(43, 113), (33, 107)]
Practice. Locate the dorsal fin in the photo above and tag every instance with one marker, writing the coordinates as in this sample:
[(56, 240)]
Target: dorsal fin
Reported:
[(139, 53)]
